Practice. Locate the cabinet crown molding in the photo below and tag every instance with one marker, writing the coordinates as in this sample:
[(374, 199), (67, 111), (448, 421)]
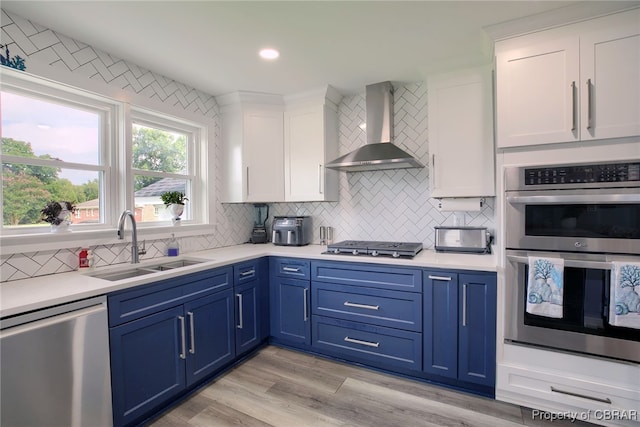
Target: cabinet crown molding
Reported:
[(557, 18), (318, 96), (248, 99)]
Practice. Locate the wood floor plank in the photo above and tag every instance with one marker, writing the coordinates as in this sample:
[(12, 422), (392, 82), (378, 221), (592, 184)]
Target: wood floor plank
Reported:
[(264, 407), (284, 388), (398, 406)]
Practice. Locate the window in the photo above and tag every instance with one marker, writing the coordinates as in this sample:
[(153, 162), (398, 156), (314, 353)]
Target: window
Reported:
[(104, 156), (162, 160), (52, 149)]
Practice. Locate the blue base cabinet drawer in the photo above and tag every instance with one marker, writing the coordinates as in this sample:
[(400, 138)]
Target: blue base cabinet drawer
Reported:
[(402, 310), (371, 276), (373, 345), (291, 267)]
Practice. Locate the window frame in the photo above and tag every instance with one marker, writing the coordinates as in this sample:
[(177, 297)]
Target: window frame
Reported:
[(116, 144)]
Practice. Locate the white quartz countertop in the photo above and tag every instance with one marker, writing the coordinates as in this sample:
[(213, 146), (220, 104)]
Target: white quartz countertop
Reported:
[(25, 295)]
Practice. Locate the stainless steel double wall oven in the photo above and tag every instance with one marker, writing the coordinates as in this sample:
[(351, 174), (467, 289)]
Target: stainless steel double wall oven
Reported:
[(588, 215)]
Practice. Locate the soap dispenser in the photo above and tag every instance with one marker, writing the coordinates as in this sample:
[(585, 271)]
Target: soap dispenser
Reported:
[(173, 249)]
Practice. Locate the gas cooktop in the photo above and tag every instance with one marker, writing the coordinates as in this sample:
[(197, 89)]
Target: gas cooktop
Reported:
[(374, 248)]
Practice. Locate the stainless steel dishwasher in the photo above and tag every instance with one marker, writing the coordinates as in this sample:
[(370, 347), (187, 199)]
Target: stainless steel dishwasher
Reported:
[(54, 366)]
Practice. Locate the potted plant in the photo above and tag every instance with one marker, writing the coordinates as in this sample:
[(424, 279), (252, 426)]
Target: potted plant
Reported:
[(174, 201), (57, 214)]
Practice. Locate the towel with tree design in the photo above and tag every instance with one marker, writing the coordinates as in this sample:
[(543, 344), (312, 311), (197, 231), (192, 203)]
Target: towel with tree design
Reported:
[(624, 305), (545, 287)]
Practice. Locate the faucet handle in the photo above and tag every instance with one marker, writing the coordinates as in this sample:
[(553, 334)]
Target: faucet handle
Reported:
[(143, 250)]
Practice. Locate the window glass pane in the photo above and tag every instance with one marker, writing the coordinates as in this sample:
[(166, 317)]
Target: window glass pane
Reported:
[(26, 189), (158, 150), (38, 128), (149, 205)]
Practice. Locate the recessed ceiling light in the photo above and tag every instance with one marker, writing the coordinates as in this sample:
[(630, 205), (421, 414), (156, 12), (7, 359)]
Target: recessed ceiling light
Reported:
[(269, 54)]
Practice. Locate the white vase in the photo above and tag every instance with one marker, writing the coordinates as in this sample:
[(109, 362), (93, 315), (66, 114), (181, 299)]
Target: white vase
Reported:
[(63, 227), (175, 210)]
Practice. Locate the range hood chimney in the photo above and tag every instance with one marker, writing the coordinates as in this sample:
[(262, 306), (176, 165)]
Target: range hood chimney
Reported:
[(379, 153)]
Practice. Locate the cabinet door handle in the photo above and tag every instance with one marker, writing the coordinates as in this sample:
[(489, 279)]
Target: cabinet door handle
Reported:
[(291, 269), (464, 305), (304, 297), (589, 104), (192, 347), (247, 273), (320, 179), (446, 278), (367, 343), (247, 181), (240, 316), (573, 106), (356, 305), (433, 169), (183, 343), (584, 396)]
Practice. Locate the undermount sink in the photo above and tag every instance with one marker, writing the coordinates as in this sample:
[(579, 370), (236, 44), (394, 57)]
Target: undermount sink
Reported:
[(144, 270)]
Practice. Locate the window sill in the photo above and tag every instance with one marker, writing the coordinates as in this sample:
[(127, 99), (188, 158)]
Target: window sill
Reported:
[(90, 238)]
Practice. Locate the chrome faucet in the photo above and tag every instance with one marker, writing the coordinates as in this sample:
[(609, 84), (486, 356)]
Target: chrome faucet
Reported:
[(135, 250)]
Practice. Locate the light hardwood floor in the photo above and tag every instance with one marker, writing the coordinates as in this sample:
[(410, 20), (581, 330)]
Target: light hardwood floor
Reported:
[(280, 387)]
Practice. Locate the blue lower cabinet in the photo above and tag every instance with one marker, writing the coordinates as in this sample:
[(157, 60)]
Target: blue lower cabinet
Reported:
[(477, 333), (158, 356), (460, 326), (373, 345), (209, 337), (146, 365), (290, 310), (290, 301), (441, 324)]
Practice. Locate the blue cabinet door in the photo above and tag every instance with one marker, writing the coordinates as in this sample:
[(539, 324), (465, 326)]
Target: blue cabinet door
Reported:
[(209, 337), (440, 318), (290, 315), (263, 299), (246, 322), (477, 334), (147, 369)]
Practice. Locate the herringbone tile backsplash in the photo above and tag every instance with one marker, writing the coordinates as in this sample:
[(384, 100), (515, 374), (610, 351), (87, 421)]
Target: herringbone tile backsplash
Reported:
[(382, 205)]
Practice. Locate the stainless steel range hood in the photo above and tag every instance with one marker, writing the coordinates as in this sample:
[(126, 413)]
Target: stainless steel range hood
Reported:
[(379, 153)]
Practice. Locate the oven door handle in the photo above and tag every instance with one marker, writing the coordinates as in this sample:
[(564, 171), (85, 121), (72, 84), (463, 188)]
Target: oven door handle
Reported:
[(596, 265), (575, 198)]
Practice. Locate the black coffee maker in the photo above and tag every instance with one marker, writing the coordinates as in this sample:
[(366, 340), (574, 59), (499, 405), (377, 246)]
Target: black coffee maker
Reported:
[(259, 233)]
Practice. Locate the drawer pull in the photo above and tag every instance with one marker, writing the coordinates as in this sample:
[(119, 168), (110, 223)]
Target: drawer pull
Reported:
[(247, 273), (448, 279), (356, 305), (367, 343), (291, 269), (570, 393)]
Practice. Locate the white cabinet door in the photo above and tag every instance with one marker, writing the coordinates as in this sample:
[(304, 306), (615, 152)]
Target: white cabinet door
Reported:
[(310, 141), (460, 112), (537, 93), (610, 83), (263, 153), (252, 141)]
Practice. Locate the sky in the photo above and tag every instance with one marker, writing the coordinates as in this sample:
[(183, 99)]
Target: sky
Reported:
[(69, 134)]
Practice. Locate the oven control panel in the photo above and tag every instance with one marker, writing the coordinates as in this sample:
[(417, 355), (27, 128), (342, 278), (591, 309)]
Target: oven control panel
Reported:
[(586, 174)]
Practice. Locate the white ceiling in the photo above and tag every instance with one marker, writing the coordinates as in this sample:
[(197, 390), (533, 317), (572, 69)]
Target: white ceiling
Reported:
[(213, 45)]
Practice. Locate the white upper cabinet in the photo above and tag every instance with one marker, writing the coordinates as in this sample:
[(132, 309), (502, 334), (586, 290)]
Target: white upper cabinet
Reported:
[(460, 113), (572, 83), (252, 147), (610, 71), (310, 141)]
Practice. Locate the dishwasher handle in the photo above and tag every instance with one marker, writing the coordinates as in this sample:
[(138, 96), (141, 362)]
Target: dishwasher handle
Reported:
[(49, 321)]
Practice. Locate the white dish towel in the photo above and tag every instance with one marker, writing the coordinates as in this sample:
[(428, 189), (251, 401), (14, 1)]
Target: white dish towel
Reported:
[(545, 287), (624, 301)]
